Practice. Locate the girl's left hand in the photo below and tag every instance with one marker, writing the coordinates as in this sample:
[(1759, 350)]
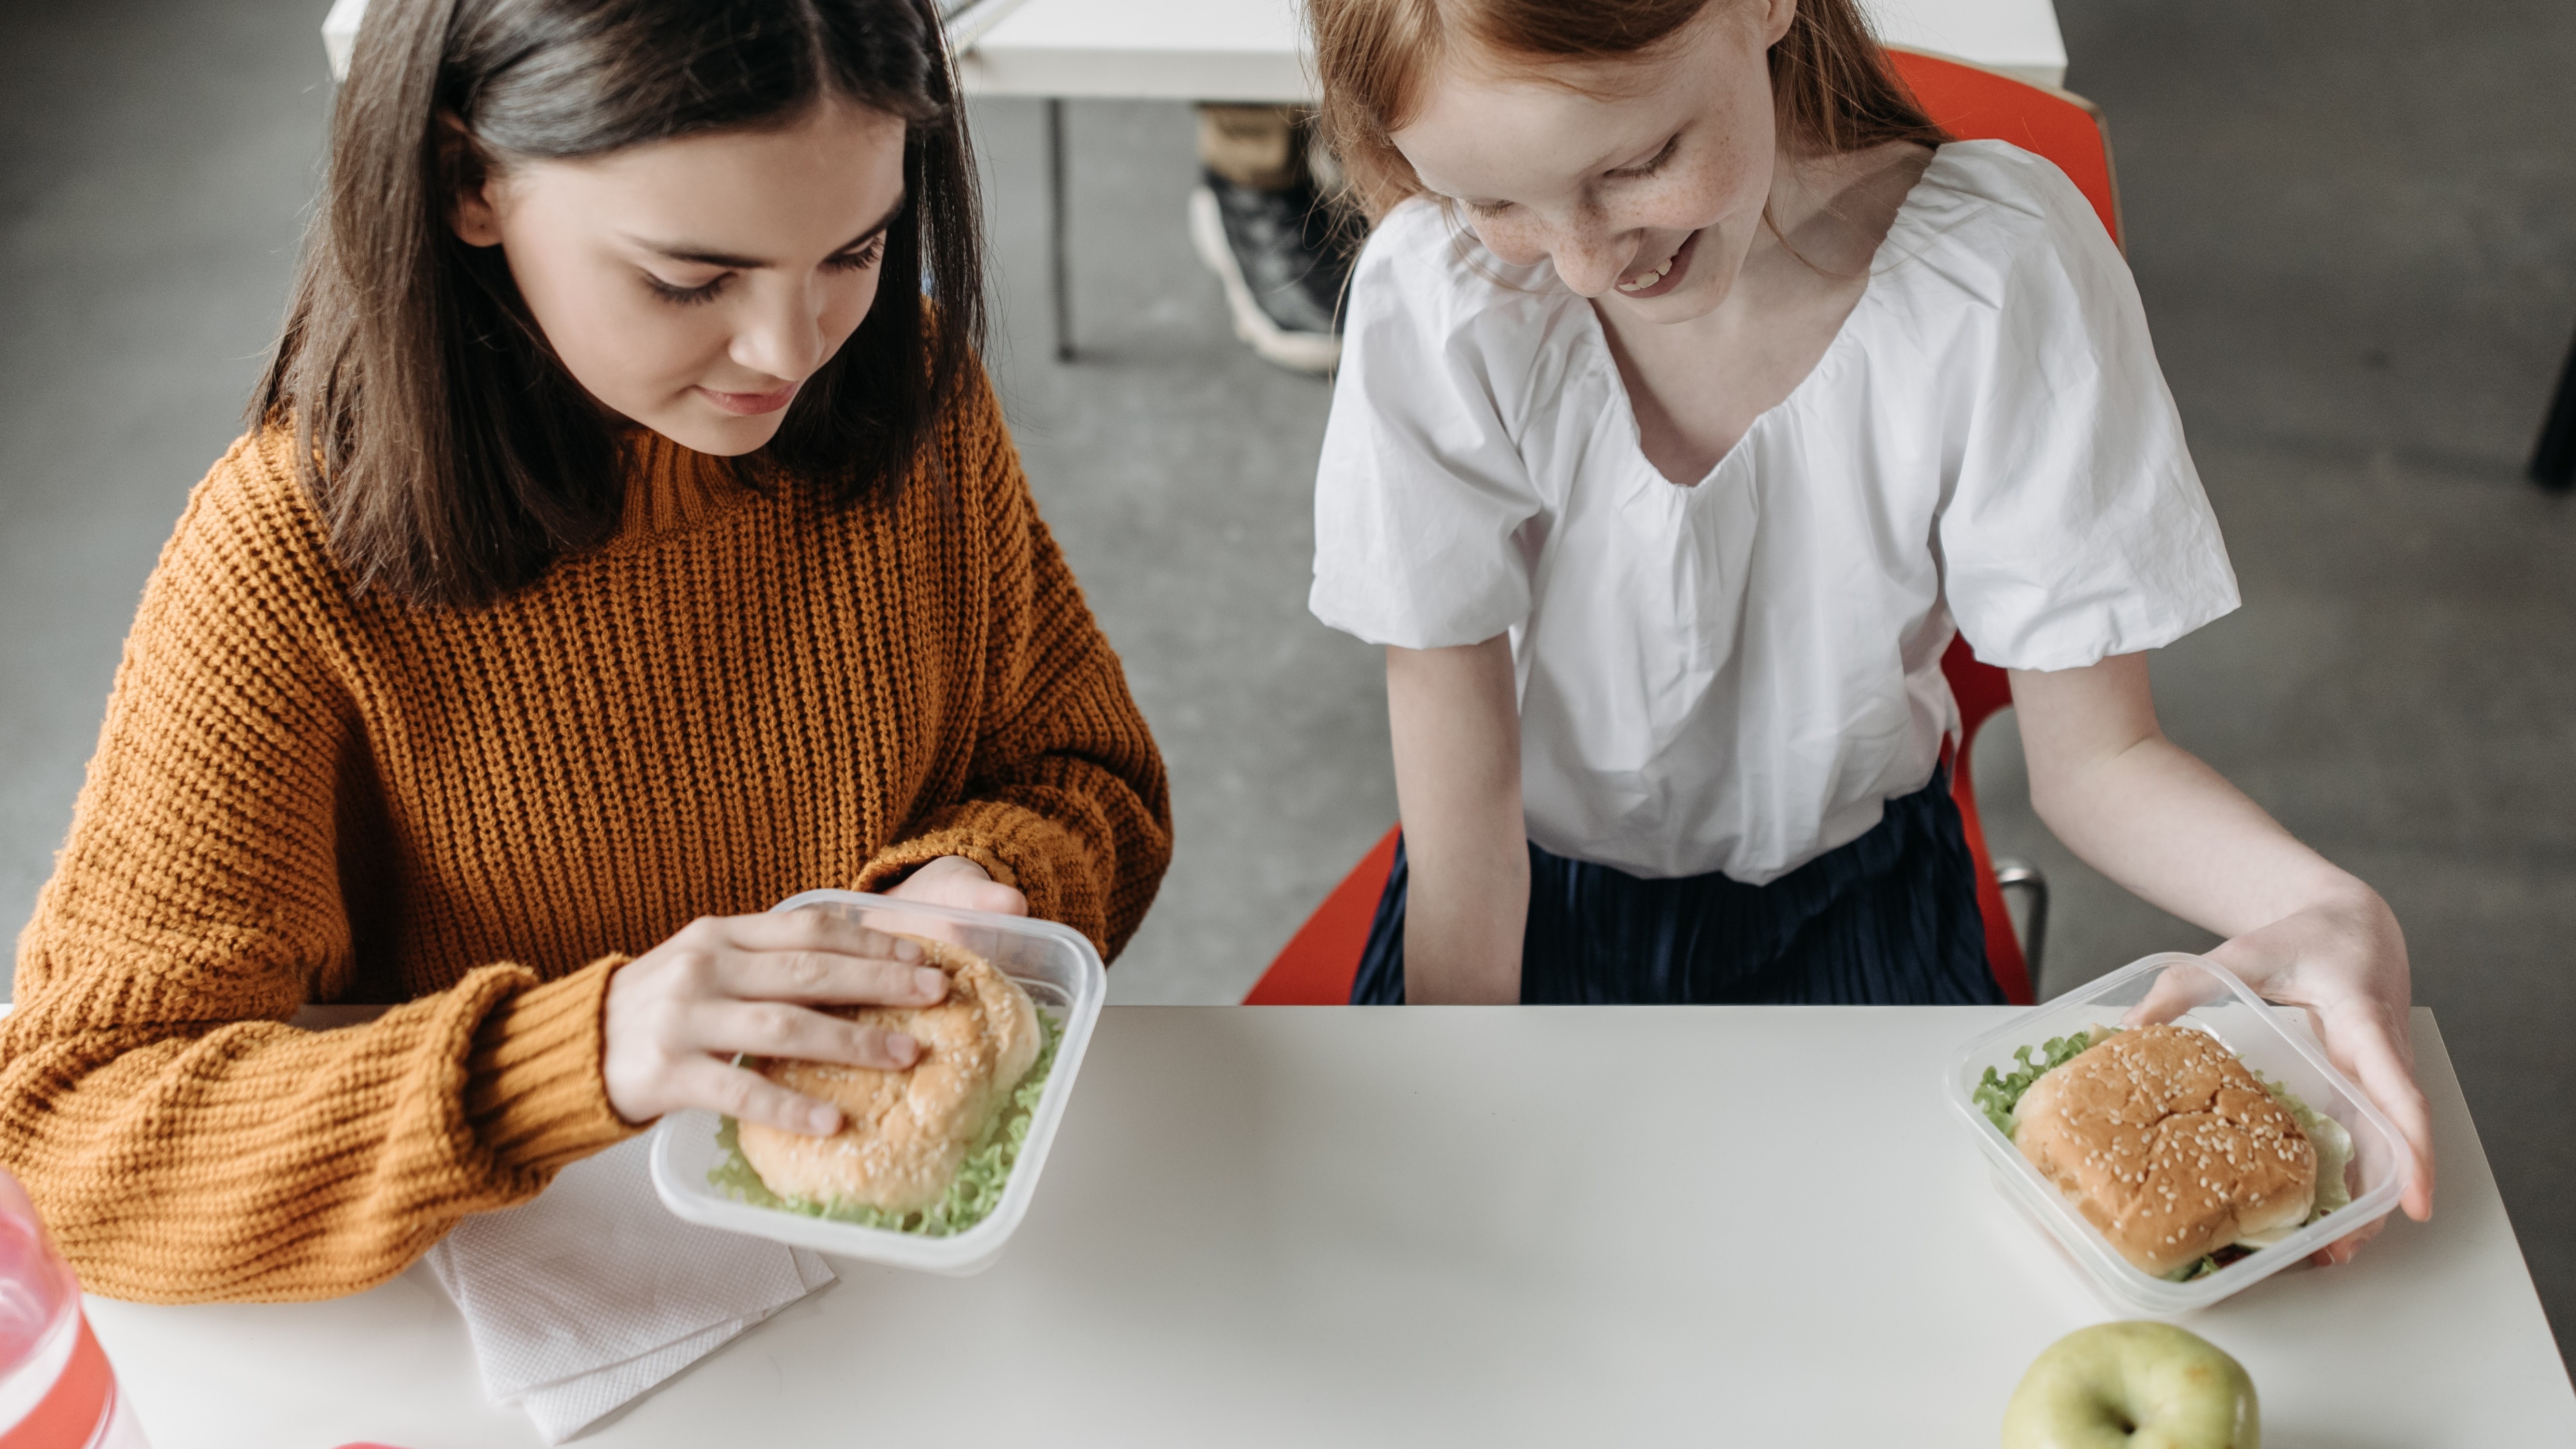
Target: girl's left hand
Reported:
[(2143, 811), (2345, 961), (953, 880)]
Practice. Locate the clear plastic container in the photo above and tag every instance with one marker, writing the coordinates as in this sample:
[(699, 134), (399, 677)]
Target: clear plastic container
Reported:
[(1062, 975), (56, 1388), (2199, 994)]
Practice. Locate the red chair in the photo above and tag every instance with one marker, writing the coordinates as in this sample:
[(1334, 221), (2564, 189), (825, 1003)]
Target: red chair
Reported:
[(1317, 965), (1975, 104), (1981, 690)]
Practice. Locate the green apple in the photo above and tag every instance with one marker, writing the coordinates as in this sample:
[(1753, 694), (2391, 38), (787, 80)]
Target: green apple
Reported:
[(2133, 1386)]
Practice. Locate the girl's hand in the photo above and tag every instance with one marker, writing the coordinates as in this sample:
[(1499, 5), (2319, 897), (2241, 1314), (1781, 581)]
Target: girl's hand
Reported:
[(2143, 811), (2345, 961), (953, 880), (677, 1015)]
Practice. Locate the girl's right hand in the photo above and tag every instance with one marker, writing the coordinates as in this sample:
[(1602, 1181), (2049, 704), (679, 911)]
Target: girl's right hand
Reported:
[(677, 1015)]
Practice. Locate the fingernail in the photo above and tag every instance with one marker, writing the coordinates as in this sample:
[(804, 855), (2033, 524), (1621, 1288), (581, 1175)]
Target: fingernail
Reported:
[(902, 1047), (930, 981), (907, 950), (823, 1121)]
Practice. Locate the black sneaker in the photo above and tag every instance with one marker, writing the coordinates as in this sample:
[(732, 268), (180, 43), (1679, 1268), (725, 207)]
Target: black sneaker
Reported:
[(1282, 269)]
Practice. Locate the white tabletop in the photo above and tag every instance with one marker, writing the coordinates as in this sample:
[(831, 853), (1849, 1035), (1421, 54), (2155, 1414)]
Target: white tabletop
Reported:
[(1254, 50), (1271, 1226)]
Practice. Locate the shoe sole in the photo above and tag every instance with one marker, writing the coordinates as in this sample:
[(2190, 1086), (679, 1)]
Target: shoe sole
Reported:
[(1296, 351)]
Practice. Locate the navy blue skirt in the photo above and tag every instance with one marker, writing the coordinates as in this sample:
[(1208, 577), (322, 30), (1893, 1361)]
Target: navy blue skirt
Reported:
[(1889, 919)]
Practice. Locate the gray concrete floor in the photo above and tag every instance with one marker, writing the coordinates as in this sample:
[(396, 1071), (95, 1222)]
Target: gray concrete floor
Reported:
[(2355, 229), (1178, 470), (2354, 225)]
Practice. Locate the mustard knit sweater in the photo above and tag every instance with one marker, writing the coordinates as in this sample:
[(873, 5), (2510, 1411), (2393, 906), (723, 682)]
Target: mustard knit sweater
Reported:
[(307, 795)]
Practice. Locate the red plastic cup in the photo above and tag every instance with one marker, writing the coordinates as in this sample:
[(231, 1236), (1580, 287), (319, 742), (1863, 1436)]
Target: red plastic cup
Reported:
[(57, 1390)]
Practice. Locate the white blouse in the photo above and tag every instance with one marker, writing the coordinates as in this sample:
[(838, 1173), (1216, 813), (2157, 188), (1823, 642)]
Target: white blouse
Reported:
[(1735, 676)]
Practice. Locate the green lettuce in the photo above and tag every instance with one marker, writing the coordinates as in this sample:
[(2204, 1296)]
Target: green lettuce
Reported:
[(1998, 1093), (970, 1199)]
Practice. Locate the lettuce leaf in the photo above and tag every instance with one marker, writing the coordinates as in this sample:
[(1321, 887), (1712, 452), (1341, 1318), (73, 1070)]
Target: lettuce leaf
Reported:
[(970, 1199), (1997, 1094), (2334, 1150)]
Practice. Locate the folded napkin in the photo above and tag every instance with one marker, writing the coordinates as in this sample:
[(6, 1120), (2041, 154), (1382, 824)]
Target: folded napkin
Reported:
[(587, 1297)]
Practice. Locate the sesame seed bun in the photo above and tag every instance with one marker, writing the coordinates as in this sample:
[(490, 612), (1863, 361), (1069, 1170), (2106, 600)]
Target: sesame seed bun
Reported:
[(2169, 1145), (904, 1134)]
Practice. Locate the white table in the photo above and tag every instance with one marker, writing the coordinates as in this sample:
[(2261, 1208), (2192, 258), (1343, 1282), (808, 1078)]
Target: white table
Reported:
[(1254, 50), (1271, 1226)]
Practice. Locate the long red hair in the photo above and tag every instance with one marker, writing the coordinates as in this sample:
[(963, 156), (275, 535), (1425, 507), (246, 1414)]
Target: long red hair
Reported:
[(1830, 80)]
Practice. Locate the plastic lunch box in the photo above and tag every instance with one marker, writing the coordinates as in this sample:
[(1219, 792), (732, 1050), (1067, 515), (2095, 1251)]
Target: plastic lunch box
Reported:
[(2272, 1040), (1062, 975)]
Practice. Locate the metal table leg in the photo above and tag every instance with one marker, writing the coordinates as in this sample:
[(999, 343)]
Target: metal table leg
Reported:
[(2553, 462), (1056, 263)]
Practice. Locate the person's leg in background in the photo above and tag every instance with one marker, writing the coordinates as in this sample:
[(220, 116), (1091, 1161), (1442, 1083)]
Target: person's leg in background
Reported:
[(1261, 221)]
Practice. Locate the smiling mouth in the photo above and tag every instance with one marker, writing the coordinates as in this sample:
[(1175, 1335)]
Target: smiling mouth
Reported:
[(1666, 272)]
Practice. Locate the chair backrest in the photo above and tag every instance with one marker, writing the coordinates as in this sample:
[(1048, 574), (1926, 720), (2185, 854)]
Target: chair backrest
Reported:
[(1975, 104)]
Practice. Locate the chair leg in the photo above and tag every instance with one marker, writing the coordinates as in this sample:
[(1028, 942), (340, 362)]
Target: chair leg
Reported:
[(1057, 246), (2553, 462), (2022, 875)]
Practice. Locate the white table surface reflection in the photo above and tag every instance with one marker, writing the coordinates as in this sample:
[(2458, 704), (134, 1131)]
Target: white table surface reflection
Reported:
[(1268, 1226)]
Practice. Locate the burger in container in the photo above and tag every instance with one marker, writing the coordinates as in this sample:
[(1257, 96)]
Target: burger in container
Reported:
[(2180, 1137), (934, 1166)]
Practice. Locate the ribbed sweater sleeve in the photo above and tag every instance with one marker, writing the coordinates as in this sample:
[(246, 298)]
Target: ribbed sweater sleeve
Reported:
[(1065, 796), (307, 793), (181, 1140)]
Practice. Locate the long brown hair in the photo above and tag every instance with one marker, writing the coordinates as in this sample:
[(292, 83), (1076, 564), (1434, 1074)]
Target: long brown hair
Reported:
[(451, 455), (1831, 83)]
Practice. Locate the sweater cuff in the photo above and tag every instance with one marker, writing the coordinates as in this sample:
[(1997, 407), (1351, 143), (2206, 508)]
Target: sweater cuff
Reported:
[(1018, 847), (534, 1094), (888, 869)]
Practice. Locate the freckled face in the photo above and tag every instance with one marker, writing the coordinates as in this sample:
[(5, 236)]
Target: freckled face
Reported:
[(1644, 187), (694, 285)]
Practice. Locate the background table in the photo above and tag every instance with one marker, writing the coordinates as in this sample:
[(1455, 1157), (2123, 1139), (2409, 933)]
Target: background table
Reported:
[(1254, 50), (1424, 1226)]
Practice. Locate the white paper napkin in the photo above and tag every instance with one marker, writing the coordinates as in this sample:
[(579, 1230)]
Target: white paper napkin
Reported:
[(587, 1297)]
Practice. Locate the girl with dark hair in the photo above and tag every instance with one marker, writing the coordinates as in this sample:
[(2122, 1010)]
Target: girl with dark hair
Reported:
[(623, 542), (1696, 392)]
